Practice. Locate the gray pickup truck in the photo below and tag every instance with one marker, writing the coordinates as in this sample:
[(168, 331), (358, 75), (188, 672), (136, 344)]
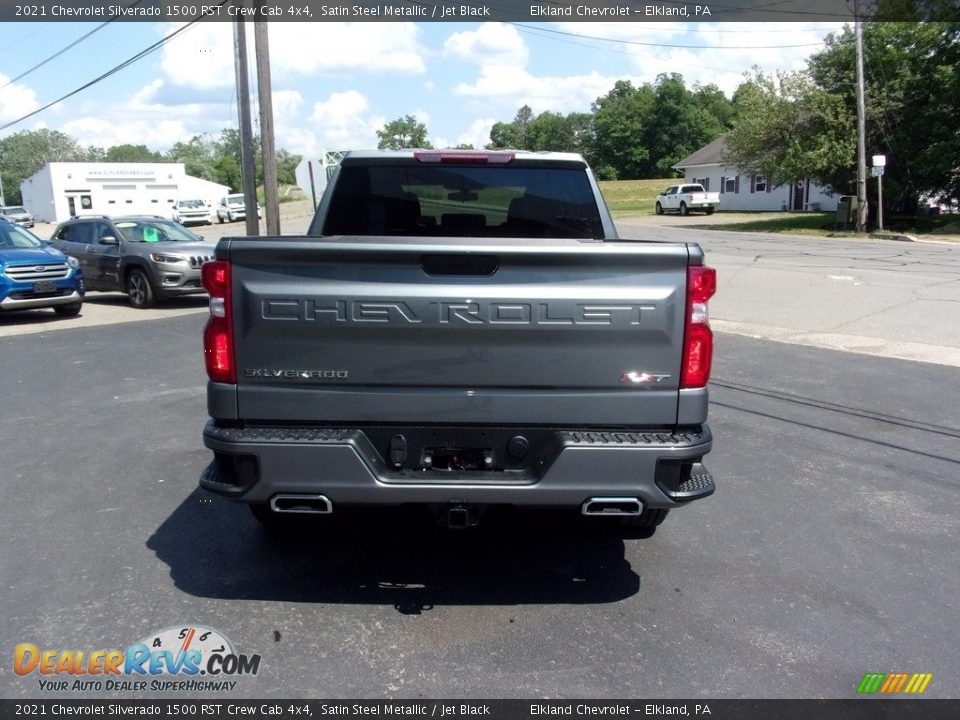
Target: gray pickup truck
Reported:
[(459, 330)]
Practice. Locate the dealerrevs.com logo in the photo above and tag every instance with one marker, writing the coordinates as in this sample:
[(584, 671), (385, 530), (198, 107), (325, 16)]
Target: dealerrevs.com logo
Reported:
[(180, 658)]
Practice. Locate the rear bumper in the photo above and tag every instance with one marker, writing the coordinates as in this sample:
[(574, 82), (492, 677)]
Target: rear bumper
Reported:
[(661, 469)]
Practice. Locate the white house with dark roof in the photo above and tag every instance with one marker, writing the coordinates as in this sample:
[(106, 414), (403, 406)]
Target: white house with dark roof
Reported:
[(740, 191)]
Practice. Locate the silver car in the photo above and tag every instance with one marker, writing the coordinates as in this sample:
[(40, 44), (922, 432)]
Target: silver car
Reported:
[(146, 257), (17, 214)]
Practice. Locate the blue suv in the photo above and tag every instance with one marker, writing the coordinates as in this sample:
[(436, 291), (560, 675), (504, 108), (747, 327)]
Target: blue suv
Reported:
[(34, 275)]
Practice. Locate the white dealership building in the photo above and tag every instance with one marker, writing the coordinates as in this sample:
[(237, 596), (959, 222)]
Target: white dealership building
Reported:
[(61, 190)]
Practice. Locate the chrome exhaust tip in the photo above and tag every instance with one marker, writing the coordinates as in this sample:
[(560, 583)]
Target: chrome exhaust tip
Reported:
[(292, 503), (612, 506)]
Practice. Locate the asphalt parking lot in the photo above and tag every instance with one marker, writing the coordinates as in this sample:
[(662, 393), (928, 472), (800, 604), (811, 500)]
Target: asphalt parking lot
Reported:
[(829, 550)]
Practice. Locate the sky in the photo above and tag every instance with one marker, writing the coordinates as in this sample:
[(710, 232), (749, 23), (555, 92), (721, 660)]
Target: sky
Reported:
[(336, 84)]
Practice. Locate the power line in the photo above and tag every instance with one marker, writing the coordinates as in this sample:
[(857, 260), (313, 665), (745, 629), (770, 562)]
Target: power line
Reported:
[(668, 45), (627, 52), (57, 54), (24, 37), (117, 68)]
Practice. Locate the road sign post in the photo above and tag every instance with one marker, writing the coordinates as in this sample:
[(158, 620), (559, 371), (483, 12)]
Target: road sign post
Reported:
[(879, 162)]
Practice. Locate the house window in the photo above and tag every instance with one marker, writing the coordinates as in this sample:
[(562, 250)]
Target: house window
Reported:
[(730, 185), (760, 184)]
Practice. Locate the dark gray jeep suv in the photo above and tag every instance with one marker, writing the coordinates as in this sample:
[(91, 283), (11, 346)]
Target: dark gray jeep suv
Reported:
[(147, 257)]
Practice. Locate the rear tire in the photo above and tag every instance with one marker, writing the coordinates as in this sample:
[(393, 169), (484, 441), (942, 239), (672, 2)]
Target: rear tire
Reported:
[(68, 310), (659, 209), (139, 289), (263, 513), (683, 209), (639, 526), (710, 210), (646, 519)]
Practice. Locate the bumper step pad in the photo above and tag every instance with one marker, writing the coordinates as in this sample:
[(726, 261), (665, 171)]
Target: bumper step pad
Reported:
[(699, 484)]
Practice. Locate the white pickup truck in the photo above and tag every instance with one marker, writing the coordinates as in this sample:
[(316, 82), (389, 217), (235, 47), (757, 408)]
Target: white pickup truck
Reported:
[(684, 198)]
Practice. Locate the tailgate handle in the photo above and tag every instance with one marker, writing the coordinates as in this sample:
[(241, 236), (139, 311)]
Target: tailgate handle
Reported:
[(454, 264)]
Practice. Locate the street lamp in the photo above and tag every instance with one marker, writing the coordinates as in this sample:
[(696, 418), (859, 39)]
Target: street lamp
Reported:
[(879, 163), (3, 200)]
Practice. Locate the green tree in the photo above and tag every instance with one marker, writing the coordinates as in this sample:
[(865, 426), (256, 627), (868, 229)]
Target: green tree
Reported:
[(913, 101), (788, 130), (676, 125), (516, 134), (619, 119), (27, 151), (404, 132), (560, 133), (287, 167), (131, 154), (229, 145), (197, 156)]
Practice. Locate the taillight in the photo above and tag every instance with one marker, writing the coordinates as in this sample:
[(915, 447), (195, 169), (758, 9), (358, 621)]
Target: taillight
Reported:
[(218, 334), (697, 337)]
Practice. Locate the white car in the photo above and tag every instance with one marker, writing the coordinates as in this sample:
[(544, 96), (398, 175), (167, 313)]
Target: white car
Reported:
[(233, 207), (190, 211), (684, 198)]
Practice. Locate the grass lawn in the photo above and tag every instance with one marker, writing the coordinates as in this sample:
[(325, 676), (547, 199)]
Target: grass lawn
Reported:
[(637, 197), (822, 223), (633, 196)]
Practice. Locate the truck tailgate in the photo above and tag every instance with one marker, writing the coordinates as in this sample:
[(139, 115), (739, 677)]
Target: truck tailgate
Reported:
[(480, 331)]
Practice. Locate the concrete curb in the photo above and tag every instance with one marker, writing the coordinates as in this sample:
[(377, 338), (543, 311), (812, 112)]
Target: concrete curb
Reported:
[(900, 237)]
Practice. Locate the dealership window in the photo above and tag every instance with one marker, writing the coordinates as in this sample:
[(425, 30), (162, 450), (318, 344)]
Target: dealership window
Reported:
[(730, 185), (760, 185)]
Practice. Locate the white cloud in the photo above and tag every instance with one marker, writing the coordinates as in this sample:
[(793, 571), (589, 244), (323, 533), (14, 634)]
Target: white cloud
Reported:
[(153, 133), (721, 52), (492, 43), (15, 100), (145, 120), (286, 104), (312, 48), (202, 57), (478, 134), (344, 122), (511, 87), (423, 116)]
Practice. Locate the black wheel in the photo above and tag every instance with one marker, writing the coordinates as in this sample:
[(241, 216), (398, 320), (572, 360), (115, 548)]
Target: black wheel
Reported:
[(683, 209), (639, 526), (710, 211), (659, 209), (219, 218), (139, 290), (646, 519), (68, 310)]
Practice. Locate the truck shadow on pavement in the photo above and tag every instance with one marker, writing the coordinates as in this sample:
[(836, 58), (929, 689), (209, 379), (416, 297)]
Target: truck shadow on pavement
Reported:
[(396, 557)]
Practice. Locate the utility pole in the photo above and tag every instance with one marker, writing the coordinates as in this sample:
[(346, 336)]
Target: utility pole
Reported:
[(247, 166), (862, 209), (267, 145)]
